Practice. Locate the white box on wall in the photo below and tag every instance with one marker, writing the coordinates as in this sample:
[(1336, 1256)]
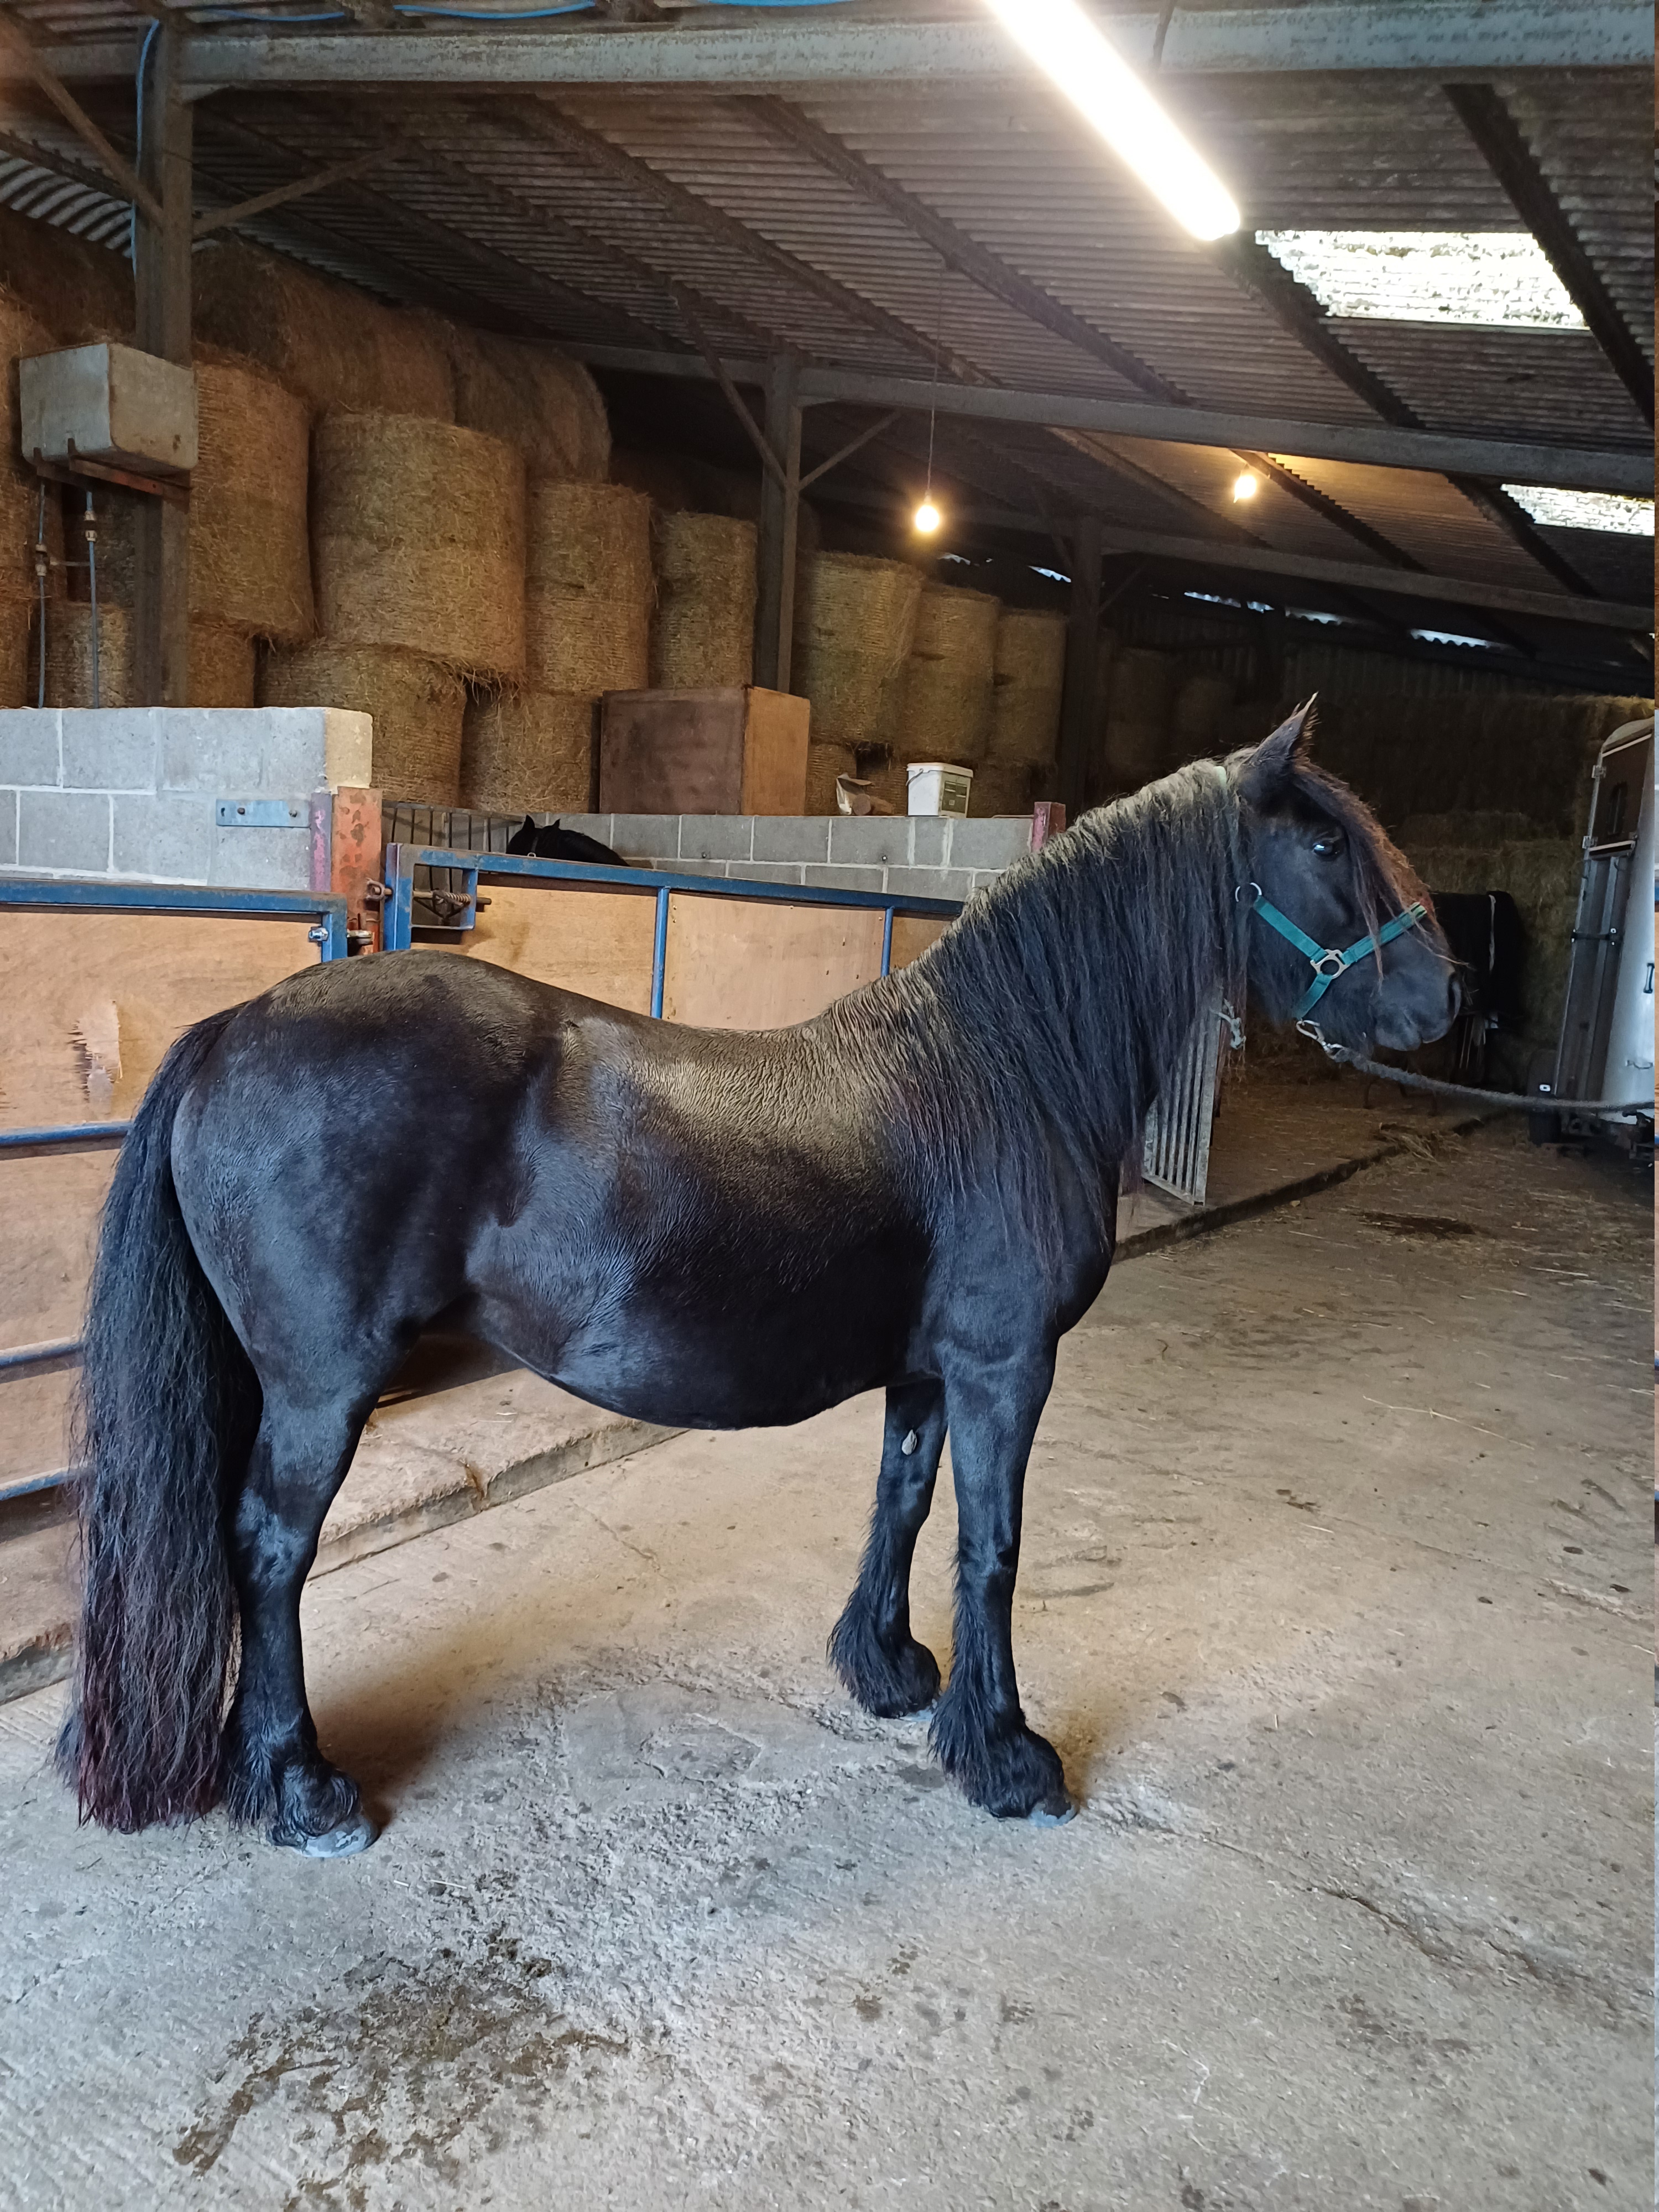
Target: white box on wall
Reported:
[(109, 402)]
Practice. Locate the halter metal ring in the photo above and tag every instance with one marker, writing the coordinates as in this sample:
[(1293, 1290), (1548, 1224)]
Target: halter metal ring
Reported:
[(1330, 965), (1239, 890)]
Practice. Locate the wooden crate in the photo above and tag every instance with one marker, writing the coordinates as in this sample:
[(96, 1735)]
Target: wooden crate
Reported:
[(741, 750)]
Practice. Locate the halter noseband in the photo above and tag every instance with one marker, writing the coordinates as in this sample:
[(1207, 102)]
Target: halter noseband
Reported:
[(1326, 962)]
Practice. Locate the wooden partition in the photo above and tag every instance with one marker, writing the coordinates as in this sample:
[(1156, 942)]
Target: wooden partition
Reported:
[(599, 943), (92, 998)]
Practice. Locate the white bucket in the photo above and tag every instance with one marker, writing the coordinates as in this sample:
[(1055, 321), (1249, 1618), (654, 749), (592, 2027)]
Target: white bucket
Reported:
[(937, 787)]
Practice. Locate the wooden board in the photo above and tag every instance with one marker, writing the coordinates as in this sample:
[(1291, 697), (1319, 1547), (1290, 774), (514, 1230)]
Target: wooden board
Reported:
[(51, 1206), (34, 1425), (775, 753), (599, 943), (91, 1001), (716, 752), (913, 933), (749, 964)]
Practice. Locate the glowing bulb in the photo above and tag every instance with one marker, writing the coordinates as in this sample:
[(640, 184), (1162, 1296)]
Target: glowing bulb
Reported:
[(1247, 486), (927, 517), (1063, 43)]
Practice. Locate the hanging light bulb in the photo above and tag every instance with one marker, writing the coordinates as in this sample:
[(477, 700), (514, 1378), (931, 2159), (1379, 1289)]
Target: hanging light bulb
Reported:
[(1247, 485), (927, 517)]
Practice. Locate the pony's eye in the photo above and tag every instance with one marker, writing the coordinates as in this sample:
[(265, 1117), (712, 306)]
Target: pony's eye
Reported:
[(1330, 845)]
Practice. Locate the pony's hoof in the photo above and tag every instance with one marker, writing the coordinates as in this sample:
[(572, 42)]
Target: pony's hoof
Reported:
[(1044, 1816), (344, 1842)]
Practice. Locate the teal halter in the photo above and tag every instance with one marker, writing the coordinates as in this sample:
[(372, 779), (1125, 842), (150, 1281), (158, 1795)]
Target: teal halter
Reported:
[(1327, 963)]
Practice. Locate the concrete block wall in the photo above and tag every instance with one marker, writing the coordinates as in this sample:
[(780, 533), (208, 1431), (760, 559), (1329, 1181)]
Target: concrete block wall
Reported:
[(131, 793), (931, 856)]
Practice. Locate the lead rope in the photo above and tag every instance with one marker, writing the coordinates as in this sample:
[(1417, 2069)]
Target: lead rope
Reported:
[(1518, 1102)]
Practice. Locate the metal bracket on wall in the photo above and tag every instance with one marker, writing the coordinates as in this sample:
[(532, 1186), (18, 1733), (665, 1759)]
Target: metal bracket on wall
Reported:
[(259, 814)]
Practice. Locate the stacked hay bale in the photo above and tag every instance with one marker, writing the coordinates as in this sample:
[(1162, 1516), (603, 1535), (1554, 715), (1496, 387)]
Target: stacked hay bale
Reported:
[(20, 510), (1140, 699), (945, 705), (72, 680), (704, 630), (549, 407), (418, 544), (339, 349), (856, 622), (1199, 716), (587, 623), (1029, 681)]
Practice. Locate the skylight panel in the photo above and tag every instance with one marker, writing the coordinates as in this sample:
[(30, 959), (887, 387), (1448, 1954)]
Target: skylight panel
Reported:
[(1584, 510), (1486, 279)]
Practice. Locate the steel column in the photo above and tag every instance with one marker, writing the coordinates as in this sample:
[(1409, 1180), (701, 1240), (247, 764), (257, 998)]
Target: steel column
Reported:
[(1079, 714), (162, 253), (779, 514)]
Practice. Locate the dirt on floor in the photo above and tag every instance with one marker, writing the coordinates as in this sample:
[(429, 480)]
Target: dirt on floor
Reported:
[(1330, 1600)]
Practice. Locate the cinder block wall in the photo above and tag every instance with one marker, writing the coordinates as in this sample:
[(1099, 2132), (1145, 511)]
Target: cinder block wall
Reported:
[(132, 793), (931, 856)]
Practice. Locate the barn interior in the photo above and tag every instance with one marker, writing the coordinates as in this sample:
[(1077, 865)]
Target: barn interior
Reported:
[(573, 389)]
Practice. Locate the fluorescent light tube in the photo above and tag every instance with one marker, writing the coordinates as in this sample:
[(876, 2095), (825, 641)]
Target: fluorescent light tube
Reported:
[(1100, 84)]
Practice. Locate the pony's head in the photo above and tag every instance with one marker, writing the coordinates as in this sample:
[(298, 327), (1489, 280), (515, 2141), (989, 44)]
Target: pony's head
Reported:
[(1326, 883)]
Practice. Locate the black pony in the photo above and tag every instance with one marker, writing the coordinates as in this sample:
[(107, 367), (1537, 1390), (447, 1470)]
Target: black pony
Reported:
[(705, 1228)]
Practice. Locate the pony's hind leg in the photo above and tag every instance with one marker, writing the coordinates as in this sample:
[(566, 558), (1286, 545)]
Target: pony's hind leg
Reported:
[(874, 1651), (273, 1771)]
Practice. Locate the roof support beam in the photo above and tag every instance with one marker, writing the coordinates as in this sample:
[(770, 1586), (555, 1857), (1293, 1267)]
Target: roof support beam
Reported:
[(1374, 444), (320, 180), (1454, 37), (1511, 161), (16, 46)]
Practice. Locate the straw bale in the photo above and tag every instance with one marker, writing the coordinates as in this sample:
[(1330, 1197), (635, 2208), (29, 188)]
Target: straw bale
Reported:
[(21, 332), (17, 654), (69, 656), (1142, 686), (1199, 708), (823, 764), (704, 631), (220, 666), (418, 532), (1030, 679), (1135, 753), (546, 406), (855, 621), (588, 600), (528, 752), (83, 293), (945, 711), (1541, 874), (339, 348), (1001, 788), (417, 708), (250, 561)]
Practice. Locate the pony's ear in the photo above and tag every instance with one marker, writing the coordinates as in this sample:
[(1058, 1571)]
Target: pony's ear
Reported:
[(1269, 770)]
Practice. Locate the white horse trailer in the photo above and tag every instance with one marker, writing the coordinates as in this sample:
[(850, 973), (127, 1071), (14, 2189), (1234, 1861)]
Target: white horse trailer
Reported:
[(1606, 1048)]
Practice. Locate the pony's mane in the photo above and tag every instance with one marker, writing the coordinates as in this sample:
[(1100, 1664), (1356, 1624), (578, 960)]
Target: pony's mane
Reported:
[(1036, 1033)]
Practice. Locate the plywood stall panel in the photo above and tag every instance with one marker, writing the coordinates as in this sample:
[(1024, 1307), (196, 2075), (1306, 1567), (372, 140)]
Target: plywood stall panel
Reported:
[(913, 933), (91, 1003), (752, 964), (599, 943)]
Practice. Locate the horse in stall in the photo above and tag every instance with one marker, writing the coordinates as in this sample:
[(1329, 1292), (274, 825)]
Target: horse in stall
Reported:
[(916, 1190)]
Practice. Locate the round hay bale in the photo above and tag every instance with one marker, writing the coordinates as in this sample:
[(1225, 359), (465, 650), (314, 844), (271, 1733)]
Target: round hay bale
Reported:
[(417, 706), (1031, 678), (528, 752), (339, 348), (250, 560), (945, 711), (1200, 710), (69, 656), (546, 406), (1142, 687), (587, 588), (1001, 788), (220, 666), (855, 621), (21, 332), (418, 529), (1134, 754), (81, 292), (823, 764), (17, 662), (704, 631)]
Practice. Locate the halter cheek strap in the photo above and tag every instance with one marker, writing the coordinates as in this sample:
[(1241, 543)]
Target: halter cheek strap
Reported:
[(1327, 963)]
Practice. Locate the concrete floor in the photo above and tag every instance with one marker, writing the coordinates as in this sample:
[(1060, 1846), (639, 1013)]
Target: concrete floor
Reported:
[(1355, 1913)]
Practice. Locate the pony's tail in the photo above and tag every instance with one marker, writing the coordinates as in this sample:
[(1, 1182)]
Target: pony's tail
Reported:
[(165, 1419)]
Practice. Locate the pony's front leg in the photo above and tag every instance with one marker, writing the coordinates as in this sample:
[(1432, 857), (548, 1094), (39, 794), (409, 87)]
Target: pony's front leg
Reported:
[(872, 1647), (272, 1769), (979, 1731)]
